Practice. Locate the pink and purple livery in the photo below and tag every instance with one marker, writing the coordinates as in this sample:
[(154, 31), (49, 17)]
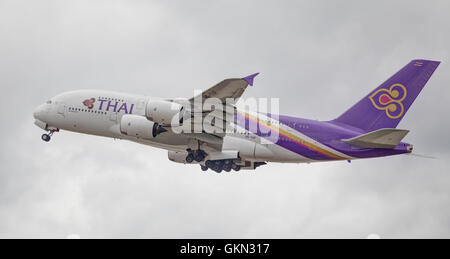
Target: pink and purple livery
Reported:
[(368, 129)]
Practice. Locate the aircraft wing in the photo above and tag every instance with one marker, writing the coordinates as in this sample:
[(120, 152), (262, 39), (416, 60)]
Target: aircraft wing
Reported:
[(228, 88)]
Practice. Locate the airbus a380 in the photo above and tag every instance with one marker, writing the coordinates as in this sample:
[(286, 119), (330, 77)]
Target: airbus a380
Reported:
[(366, 130)]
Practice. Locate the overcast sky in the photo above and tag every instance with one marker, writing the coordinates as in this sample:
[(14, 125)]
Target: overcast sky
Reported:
[(318, 57)]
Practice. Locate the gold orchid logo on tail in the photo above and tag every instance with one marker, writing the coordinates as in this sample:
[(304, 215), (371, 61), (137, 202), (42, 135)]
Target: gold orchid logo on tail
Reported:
[(390, 100)]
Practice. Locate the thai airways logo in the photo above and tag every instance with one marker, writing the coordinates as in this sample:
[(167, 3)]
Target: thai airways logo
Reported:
[(109, 105), (89, 103), (390, 100)]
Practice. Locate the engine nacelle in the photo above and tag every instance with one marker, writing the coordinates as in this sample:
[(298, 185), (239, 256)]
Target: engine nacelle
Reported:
[(164, 112), (138, 126), (178, 156)]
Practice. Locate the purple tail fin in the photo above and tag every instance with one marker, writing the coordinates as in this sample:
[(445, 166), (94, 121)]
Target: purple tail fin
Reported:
[(385, 106)]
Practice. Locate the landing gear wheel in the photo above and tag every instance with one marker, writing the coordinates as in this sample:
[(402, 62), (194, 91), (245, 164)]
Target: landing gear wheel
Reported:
[(204, 168), (45, 137), (217, 167), (190, 158), (227, 167), (199, 158), (209, 164)]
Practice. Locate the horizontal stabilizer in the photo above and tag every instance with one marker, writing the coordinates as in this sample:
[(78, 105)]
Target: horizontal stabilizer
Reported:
[(422, 156), (382, 138)]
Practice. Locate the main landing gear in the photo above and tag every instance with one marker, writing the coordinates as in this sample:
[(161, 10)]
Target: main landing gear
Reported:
[(217, 166), (195, 155), (221, 165), (48, 136)]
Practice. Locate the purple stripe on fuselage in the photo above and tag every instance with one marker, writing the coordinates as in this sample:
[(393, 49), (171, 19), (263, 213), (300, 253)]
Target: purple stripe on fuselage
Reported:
[(331, 133), (282, 140)]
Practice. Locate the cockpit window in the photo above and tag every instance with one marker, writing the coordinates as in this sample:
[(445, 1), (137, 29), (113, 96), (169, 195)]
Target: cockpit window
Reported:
[(49, 102)]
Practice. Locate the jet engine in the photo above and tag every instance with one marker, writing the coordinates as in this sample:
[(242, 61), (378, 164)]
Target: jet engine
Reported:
[(164, 112), (140, 127)]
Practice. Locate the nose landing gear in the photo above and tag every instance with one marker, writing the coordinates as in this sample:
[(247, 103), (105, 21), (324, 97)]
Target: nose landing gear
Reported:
[(47, 137)]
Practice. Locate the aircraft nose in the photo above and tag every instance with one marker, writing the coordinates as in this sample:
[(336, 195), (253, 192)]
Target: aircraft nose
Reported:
[(39, 112)]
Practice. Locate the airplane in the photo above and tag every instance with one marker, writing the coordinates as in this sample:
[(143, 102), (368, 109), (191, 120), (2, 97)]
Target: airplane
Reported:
[(366, 130)]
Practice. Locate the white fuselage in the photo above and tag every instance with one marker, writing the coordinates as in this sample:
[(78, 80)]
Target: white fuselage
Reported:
[(68, 112)]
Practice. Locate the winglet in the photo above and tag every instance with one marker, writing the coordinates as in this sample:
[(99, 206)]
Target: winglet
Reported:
[(249, 79)]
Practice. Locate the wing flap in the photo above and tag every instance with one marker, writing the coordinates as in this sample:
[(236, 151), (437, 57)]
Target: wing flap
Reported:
[(382, 138)]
